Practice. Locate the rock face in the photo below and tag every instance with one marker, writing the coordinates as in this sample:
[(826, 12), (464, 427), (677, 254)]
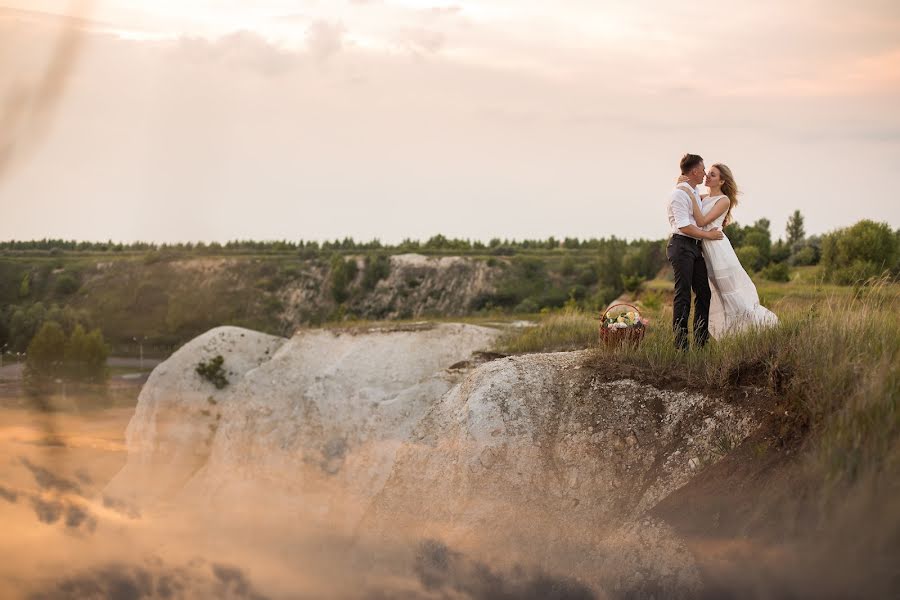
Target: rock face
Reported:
[(533, 458), (294, 410), (530, 459), (416, 285), (178, 413)]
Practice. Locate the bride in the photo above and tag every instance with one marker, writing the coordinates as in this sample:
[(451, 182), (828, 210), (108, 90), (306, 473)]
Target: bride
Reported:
[(735, 301)]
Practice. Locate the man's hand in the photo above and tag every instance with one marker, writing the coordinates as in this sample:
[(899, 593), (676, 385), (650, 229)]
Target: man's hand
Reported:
[(715, 234)]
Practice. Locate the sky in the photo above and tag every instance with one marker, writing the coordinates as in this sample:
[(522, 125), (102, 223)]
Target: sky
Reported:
[(185, 120)]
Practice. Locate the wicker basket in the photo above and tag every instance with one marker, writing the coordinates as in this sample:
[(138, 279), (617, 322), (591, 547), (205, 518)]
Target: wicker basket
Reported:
[(613, 338)]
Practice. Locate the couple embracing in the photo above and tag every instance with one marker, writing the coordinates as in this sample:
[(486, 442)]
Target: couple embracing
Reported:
[(704, 261)]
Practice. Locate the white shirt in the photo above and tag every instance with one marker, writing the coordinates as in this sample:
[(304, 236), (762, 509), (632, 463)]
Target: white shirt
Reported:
[(679, 211)]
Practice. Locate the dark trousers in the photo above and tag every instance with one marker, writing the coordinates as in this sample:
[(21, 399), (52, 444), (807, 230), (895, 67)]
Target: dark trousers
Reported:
[(686, 256)]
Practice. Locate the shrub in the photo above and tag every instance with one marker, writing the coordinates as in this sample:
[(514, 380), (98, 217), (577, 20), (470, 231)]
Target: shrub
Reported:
[(587, 275), (860, 252), (751, 258), (652, 301), (759, 239), (343, 272), (805, 256), (377, 267), (528, 305), (213, 372), (66, 284), (780, 252), (777, 272), (632, 283)]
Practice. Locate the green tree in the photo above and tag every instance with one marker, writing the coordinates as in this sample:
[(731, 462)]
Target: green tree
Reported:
[(795, 231), (735, 234), (377, 267), (780, 252), (66, 284), (24, 324), (751, 258), (867, 249), (777, 272), (343, 272), (46, 352), (85, 355), (759, 236)]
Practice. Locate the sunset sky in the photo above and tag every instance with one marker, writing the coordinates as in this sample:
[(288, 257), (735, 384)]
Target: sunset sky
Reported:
[(216, 120)]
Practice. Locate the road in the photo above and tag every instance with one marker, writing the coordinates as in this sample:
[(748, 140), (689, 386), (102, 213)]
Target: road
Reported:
[(14, 371)]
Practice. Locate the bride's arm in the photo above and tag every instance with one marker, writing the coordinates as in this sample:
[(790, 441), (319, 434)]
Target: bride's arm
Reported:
[(717, 211)]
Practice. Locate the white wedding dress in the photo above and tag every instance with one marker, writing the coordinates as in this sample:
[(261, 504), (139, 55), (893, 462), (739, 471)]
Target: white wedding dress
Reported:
[(735, 301)]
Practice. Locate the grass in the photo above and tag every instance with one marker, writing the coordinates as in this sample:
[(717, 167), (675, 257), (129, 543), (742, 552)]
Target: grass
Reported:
[(833, 362), (566, 330)]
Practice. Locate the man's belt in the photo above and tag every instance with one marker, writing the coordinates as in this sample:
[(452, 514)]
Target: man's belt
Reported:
[(688, 238)]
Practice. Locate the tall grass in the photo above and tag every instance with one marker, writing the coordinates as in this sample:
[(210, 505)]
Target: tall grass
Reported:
[(832, 362), (837, 363), (570, 329)]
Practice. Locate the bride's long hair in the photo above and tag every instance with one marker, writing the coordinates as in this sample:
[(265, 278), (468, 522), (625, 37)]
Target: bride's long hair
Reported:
[(729, 188)]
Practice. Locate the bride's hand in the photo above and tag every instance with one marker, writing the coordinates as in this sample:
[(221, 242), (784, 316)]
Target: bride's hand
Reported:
[(682, 179)]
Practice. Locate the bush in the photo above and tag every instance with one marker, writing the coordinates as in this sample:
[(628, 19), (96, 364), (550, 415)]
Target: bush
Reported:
[(805, 256), (632, 283), (780, 252), (777, 272), (66, 284), (343, 272), (587, 275), (213, 372), (760, 240), (377, 267), (751, 258), (528, 305), (860, 252)]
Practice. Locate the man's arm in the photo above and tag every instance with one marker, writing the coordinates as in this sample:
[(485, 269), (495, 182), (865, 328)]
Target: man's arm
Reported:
[(684, 217), (696, 232)]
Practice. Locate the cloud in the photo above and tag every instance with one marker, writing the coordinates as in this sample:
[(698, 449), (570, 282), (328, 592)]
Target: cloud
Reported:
[(421, 40), (243, 50), (324, 40)]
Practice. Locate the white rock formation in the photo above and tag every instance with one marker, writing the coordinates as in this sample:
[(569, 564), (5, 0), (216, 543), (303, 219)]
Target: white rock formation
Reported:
[(294, 417), (533, 458)]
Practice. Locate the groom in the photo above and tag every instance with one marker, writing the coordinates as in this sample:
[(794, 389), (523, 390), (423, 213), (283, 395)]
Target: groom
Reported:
[(685, 252)]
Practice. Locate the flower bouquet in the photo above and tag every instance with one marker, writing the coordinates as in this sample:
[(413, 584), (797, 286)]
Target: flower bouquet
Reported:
[(619, 325)]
